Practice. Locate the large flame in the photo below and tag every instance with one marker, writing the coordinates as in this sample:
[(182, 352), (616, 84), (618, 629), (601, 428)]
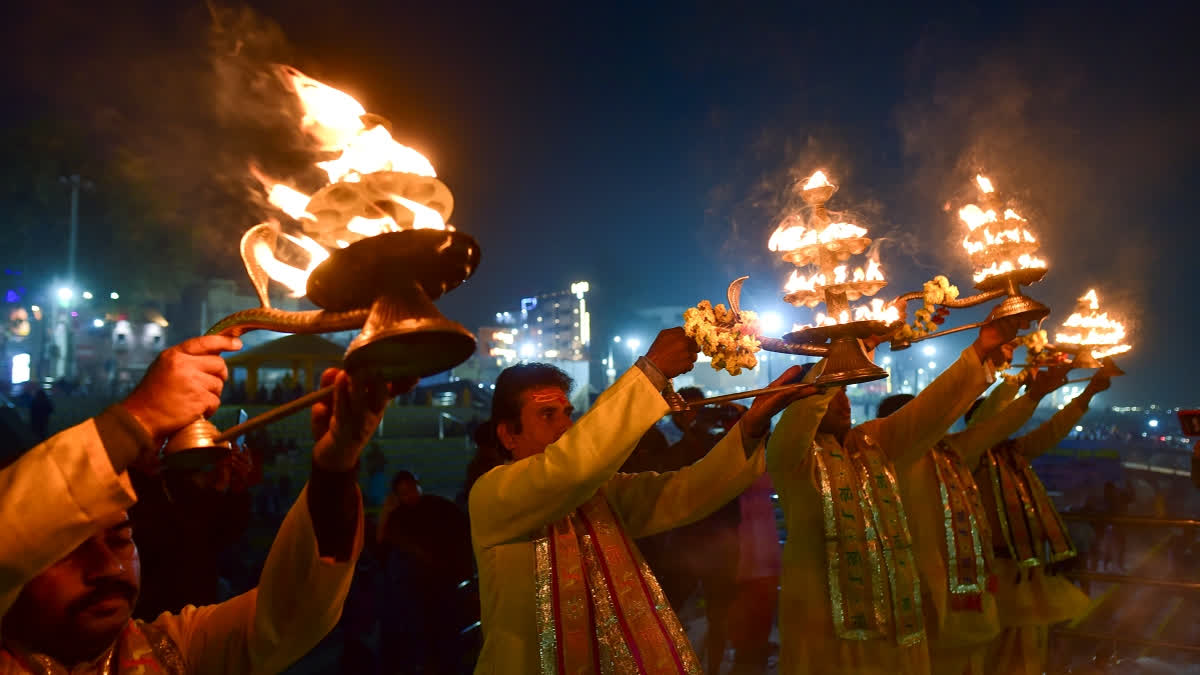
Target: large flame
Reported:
[(1093, 329), (816, 180), (335, 120), (997, 245), (790, 236), (876, 310)]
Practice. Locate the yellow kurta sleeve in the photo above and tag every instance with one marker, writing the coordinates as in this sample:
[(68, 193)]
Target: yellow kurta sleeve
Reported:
[(999, 398), (1052, 431), (53, 497), (971, 443), (650, 502), (789, 444), (297, 602), (511, 501), (916, 427)]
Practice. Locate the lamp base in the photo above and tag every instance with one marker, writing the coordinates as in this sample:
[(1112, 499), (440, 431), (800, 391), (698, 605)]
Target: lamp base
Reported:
[(847, 363), (405, 335)]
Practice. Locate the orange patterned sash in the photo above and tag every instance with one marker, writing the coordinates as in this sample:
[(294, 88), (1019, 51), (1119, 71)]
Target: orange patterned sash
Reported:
[(599, 607)]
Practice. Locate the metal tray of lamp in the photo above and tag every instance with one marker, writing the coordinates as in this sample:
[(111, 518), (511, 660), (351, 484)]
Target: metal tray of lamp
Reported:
[(841, 249), (854, 290), (855, 329), (1023, 277)]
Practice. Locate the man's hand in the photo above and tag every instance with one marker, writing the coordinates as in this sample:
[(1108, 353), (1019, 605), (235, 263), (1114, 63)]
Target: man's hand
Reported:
[(757, 420), (673, 352), (342, 428), (993, 335), (1047, 381), (183, 384)]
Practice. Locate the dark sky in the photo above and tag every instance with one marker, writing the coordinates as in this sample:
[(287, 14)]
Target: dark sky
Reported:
[(647, 149)]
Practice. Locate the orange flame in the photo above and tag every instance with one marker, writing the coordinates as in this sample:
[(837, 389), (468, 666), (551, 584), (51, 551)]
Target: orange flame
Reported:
[(816, 180), (790, 236), (335, 120), (997, 250), (294, 278), (290, 201), (1093, 329)]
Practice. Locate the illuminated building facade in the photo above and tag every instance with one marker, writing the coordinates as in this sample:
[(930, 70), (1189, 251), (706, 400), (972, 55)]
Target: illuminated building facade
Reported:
[(551, 328)]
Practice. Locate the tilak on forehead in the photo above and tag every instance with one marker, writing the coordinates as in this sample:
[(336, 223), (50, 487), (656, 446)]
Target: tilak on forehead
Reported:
[(548, 395)]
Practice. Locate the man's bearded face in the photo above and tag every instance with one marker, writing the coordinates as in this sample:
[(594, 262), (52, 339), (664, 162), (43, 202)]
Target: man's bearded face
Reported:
[(545, 416), (80, 604)]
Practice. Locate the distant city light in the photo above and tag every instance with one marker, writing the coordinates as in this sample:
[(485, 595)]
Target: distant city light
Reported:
[(65, 293), (932, 365), (616, 338), (527, 350), (87, 295), (1078, 427), (20, 368), (115, 295), (1153, 424), (887, 360), (633, 343), (98, 323), (929, 350)]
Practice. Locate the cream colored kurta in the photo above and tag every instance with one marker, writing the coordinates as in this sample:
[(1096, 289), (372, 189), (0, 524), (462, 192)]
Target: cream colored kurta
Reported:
[(53, 498), (809, 641), (956, 635), (1039, 598), (512, 504)]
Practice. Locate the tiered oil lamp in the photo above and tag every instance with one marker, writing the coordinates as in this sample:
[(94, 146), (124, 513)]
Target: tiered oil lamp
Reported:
[(1091, 335), (828, 246), (379, 254), (1002, 251)]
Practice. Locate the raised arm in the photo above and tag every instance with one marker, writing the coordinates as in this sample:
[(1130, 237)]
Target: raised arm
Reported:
[(55, 496), (651, 502), (978, 438), (1053, 430), (911, 431), (308, 571), (997, 399)]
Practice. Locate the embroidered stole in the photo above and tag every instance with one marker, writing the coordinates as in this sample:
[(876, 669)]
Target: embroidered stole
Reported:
[(141, 649), (599, 608), (1031, 528), (874, 587), (968, 536)]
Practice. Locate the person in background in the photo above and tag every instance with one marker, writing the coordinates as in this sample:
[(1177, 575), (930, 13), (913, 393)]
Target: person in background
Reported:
[(212, 505), (425, 548), (756, 596)]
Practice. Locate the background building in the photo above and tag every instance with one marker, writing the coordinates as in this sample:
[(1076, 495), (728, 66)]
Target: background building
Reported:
[(552, 327)]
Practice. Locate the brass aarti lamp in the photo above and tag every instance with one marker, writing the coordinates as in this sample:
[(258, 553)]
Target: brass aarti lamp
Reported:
[(379, 254), (1002, 250)]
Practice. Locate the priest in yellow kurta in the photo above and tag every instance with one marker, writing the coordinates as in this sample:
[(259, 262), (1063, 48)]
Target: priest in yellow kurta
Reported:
[(851, 596), (69, 568), (563, 588), (949, 526), (1030, 539)]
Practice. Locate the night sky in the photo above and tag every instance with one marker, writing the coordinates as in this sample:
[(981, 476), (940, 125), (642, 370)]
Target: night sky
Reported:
[(649, 149)]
